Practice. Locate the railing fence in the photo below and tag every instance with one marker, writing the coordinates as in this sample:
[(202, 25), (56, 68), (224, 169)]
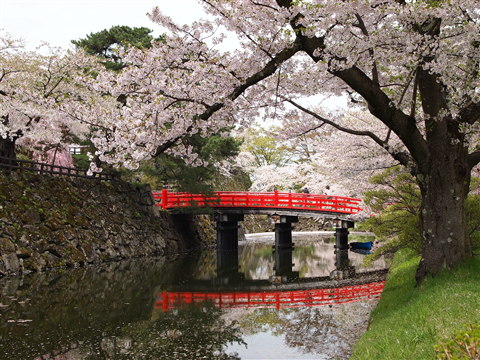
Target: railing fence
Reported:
[(295, 201), (49, 169)]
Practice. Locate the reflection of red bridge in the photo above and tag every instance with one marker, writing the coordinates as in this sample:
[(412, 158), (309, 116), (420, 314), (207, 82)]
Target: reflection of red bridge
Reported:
[(272, 299), (258, 201)]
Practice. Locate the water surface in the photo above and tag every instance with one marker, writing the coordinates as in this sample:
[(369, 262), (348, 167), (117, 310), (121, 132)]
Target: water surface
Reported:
[(202, 306)]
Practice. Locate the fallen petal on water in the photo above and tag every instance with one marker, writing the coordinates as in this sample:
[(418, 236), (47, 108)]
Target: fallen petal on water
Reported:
[(19, 321)]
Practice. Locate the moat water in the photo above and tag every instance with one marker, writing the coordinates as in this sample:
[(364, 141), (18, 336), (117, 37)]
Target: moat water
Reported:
[(256, 304)]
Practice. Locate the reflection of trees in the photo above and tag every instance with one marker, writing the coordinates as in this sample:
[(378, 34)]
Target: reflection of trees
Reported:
[(205, 267), (311, 330), (310, 259), (313, 257), (256, 261), (261, 320), (314, 331), (193, 332), (304, 256), (81, 308)]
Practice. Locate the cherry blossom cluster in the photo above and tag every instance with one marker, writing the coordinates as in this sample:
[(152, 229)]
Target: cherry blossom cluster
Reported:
[(324, 159), (31, 88), (376, 52)]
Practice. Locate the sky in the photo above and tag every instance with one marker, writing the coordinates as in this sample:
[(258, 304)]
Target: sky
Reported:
[(59, 21)]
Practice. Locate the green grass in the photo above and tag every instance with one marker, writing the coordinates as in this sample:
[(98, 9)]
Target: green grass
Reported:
[(409, 321)]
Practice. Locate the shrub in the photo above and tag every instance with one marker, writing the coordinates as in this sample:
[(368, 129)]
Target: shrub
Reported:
[(396, 204), (464, 345)]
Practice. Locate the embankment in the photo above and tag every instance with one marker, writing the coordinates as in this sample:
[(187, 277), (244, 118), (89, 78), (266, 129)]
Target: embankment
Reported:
[(48, 222), (429, 321)]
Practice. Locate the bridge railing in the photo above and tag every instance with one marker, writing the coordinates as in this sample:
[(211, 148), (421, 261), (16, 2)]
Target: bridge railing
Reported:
[(272, 299), (279, 200)]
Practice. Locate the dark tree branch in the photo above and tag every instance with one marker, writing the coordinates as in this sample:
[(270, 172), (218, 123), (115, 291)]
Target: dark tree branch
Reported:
[(363, 27), (309, 44), (401, 157), (315, 128), (387, 138), (48, 93), (470, 114), (264, 5), (414, 97), (335, 125), (473, 159), (383, 108), (268, 70)]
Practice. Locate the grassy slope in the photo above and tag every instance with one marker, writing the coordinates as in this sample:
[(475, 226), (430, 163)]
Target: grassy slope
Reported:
[(410, 320)]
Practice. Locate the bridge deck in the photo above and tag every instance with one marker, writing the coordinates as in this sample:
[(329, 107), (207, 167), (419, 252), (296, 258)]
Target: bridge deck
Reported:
[(263, 211), (259, 203)]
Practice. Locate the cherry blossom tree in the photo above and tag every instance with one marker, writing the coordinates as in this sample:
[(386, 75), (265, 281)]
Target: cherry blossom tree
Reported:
[(319, 157), (31, 87), (413, 65)]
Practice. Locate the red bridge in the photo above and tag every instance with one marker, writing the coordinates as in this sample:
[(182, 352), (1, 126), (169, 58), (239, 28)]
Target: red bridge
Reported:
[(272, 299), (258, 202), (231, 206)]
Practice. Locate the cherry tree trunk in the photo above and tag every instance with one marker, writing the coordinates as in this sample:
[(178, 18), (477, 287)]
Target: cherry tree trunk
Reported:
[(7, 149), (444, 187)]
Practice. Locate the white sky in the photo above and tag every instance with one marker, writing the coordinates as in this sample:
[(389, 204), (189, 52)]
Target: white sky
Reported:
[(59, 21)]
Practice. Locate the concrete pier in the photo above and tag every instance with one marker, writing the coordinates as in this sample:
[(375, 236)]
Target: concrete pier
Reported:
[(283, 231), (341, 234), (227, 231)]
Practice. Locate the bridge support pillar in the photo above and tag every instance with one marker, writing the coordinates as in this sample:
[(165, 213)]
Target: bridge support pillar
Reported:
[(341, 234), (227, 267), (227, 231), (343, 269), (341, 238), (283, 231), (283, 266)]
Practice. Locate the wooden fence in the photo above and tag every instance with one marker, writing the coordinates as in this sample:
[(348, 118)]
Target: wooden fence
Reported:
[(49, 169)]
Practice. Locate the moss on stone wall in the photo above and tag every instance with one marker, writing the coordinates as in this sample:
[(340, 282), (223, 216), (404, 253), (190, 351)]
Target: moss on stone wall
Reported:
[(48, 222)]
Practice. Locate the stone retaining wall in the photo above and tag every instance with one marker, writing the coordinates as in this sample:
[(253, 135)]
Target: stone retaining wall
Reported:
[(48, 222)]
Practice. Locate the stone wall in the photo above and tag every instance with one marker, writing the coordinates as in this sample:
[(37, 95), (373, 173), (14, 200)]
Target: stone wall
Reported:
[(263, 223), (48, 222)]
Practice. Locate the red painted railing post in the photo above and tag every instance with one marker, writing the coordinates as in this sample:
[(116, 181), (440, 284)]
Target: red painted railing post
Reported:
[(164, 301), (275, 197), (164, 198)]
